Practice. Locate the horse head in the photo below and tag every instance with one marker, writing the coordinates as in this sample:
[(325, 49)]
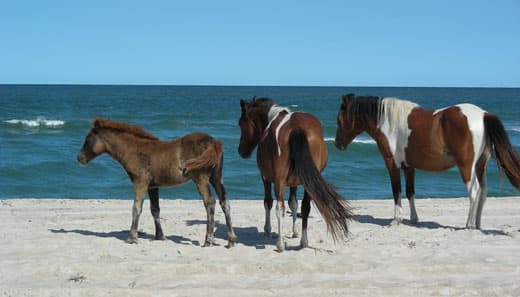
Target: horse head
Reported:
[(252, 123), (93, 145), (348, 124)]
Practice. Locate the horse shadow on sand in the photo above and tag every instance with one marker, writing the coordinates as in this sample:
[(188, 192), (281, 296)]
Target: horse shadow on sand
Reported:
[(123, 235), (248, 236), (368, 219)]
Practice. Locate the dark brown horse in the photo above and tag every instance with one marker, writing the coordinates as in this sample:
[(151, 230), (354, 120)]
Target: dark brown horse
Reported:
[(291, 152), (151, 163), (410, 137)]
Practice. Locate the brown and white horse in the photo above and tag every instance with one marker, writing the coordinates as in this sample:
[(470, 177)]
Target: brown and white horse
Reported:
[(291, 152), (151, 163), (410, 137)]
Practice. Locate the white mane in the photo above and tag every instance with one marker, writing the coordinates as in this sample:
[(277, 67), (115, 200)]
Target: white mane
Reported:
[(393, 122), (274, 111)]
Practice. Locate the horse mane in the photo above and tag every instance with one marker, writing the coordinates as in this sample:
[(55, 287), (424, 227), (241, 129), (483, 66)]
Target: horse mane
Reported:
[(394, 112), (263, 102), (123, 127), (275, 110), (367, 106), (391, 111)]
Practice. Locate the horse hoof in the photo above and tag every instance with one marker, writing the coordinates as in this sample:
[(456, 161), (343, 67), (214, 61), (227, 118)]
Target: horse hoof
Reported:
[(207, 244), (395, 222), (295, 235), (131, 240), (231, 241), (160, 237), (280, 247)]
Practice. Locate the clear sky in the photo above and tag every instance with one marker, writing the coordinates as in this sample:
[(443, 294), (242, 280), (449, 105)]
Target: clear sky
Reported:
[(329, 43)]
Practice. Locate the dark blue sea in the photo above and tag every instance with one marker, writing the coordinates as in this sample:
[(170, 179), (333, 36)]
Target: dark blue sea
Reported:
[(42, 128)]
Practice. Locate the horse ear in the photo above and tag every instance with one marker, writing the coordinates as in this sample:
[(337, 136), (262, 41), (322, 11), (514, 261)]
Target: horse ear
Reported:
[(95, 123)]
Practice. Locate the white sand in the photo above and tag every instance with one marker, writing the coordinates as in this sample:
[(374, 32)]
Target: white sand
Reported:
[(77, 248)]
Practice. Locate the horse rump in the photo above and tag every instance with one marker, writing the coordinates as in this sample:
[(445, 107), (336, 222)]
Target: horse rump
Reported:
[(506, 156), (334, 209), (210, 156)]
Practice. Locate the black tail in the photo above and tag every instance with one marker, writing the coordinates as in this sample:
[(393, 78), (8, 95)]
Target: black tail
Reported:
[(335, 209), (506, 156)]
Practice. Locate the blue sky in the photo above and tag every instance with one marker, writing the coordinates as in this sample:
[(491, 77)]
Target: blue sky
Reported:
[(329, 43)]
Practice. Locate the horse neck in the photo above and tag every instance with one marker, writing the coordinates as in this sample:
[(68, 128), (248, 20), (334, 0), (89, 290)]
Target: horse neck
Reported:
[(118, 144), (261, 121), (371, 128)]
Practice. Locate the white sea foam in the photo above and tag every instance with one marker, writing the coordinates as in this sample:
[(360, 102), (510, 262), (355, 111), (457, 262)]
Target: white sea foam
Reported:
[(516, 129), (356, 140), (364, 141), (38, 122)]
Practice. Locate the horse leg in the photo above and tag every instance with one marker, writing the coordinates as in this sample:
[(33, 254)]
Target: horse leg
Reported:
[(473, 187), (293, 205), (306, 209), (395, 179), (280, 214), (154, 208), (216, 182), (268, 204), (140, 192), (481, 175), (409, 175), (202, 182)]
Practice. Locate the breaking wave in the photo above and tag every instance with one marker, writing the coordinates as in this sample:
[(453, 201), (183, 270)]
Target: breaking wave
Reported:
[(356, 140), (38, 122)]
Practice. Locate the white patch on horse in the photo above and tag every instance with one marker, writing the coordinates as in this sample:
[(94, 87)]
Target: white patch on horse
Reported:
[(273, 113), (439, 110), (398, 210), (475, 119), (393, 123)]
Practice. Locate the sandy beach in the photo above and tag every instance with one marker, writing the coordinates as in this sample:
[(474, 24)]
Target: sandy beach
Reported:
[(54, 247)]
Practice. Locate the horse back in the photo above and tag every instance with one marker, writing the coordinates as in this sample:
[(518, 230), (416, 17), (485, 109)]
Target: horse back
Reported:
[(168, 166), (194, 144), (273, 156), (442, 138)]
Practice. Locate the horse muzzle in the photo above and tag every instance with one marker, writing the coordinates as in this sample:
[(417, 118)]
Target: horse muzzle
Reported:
[(244, 154), (82, 159), (340, 145)]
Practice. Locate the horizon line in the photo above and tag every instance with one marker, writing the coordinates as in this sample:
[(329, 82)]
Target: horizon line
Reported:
[(246, 85)]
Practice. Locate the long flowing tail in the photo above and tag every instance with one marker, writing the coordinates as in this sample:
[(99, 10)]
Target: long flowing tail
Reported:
[(334, 209), (210, 157), (507, 157)]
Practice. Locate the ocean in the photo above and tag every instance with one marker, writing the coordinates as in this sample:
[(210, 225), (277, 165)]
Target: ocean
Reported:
[(42, 128)]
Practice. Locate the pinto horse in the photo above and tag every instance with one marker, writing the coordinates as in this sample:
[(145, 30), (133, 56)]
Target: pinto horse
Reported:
[(409, 136), (291, 151), (151, 163)]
